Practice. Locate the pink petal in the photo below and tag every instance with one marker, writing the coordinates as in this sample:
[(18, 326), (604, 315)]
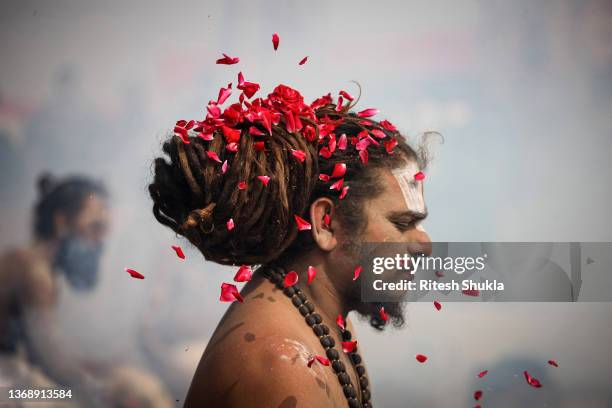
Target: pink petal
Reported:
[(254, 131), (232, 147), (345, 190), (324, 177), (363, 155), (357, 272), (227, 60), (437, 305), (303, 61), (342, 142), (242, 185), (179, 251), (439, 274), (339, 170), (291, 279), (224, 93), (337, 185), (347, 95), (471, 292), (213, 156), (213, 109), (134, 274), (322, 360), (483, 373), (532, 381), (326, 219), (553, 363), (312, 273), (302, 224), (229, 293), (240, 79), (378, 133), (275, 40), (477, 395), (421, 358), (299, 154), (230, 224), (383, 315), (340, 322), (244, 274), (419, 176), (390, 144), (387, 125), (366, 113), (231, 135), (224, 167), (264, 179), (349, 346)]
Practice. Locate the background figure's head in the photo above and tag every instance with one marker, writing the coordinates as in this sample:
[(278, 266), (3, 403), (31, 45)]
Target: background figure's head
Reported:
[(73, 214), (194, 196)]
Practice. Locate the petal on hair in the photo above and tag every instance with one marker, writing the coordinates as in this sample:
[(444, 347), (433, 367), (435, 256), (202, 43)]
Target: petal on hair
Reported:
[(419, 176), (264, 179), (532, 381), (291, 279), (471, 292), (349, 346), (230, 224), (553, 363), (213, 156), (254, 131), (244, 274), (134, 274), (421, 358), (302, 224), (326, 219), (363, 155), (337, 185), (213, 109), (179, 251), (231, 135), (299, 155), (347, 95), (232, 147), (342, 142), (312, 273), (227, 60), (387, 125), (340, 322), (224, 167), (324, 177), (437, 305), (182, 133), (275, 41), (249, 88), (378, 133), (483, 373), (260, 146), (390, 144), (224, 93), (366, 122), (357, 272), (383, 315), (339, 104), (343, 193), (366, 113), (477, 395), (242, 185), (206, 136), (322, 360), (229, 293), (362, 144), (339, 170), (303, 60)]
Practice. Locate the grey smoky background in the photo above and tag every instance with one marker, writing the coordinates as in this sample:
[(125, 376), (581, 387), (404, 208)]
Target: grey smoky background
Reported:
[(521, 91)]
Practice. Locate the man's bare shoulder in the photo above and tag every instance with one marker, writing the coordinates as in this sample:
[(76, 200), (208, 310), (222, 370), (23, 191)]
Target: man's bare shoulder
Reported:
[(30, 277)]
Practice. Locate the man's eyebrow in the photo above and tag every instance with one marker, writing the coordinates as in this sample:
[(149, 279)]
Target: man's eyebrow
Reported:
[(408, 214)]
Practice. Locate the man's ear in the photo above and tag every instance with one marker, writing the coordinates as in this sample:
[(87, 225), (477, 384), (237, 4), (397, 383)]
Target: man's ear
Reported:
[(324, 225), (60, 224)]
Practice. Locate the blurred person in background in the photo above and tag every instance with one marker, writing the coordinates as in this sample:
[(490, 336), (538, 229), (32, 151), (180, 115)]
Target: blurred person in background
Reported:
[(71, 221)]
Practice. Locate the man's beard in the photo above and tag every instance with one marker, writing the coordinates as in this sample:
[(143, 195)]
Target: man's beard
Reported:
[(370, 311)]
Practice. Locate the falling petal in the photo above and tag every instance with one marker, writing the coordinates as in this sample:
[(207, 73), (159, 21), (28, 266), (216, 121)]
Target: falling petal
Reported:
[(477, 395), (439, 274), (224, 93), (244, 274), (340, 322), (299, 154), (366, 113), (471, 292), (553, 363), (342, 142), (291, 279), (230, 224), (134, 274), (383, 315), (326, 219), (357, 272), (227, 60), (421, 358), (483, 373), (302, 224), (437, 305), (229, 293), (275, 41), (337, 185), (419, 176), (303, 61), (179, 251), (264, 179), (347, 95), (242, 185), (532, 381), (224, 167), (345, 190), (312, 273), (339, 170), (324, 177), (349, 346)]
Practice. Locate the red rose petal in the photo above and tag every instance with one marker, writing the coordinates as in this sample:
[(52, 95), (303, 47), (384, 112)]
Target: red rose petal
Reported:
[(346, 95), (337, 185), (419, 176), (299, 154), (312, 273), (477, 395), (275, 41), (390, 144), (231, 135), (326, 219), (224, 93), (254, 131), (229, 293), (378, 133), (342, 142), (179, 251), (363, 155), (339, 170), (232, 147), (260, 146), (302, 224), (553, 363), (230, 224), (387, 125), (366, 113), (345, 190), (303, 61), (224, 167), (324, 177), (264, 179), (383, 315), (532, 381), (483, 373), (357, 272), (227, 60), (349, 346), (291, 279), (242, 185), (471, 292), (322, 360), (244, 274), (437, 304), (134, 274), (340, 322), (421, 358)]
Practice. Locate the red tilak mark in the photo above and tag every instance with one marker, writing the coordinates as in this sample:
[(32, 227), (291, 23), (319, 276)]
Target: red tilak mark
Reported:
[(357, 272), (553, 363), (291, 279), (343, 193), (299, 155), (244, 274), (532, 381), (483, 373), (213, 156), (264, 179), (179, 251), (224, 93), (224, 167), (419, 176), (437, 305), (366, 113), (134, 274), (421, 358), (477, 395), (231, 135), (242, 185), (229, 293), (339, 170), (471, 292), (275, 41), (349, 346), (230, 224), (383, 315), (312, 273), (340, 322), (303, 61), (227, 60), (302, 224)]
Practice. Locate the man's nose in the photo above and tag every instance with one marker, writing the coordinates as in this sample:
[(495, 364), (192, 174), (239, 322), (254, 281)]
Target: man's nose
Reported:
[(419, 243)]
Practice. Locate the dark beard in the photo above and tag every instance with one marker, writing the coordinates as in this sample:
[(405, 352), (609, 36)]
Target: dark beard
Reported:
[(370, 311)]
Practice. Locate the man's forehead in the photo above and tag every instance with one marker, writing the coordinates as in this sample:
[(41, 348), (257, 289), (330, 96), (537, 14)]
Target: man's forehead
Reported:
[(411, 189)]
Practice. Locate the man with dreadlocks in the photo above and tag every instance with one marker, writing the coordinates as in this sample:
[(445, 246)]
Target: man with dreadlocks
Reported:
[(294, 189)]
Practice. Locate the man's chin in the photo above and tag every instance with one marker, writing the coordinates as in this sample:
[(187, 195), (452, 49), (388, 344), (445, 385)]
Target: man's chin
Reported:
[(370, 311)]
